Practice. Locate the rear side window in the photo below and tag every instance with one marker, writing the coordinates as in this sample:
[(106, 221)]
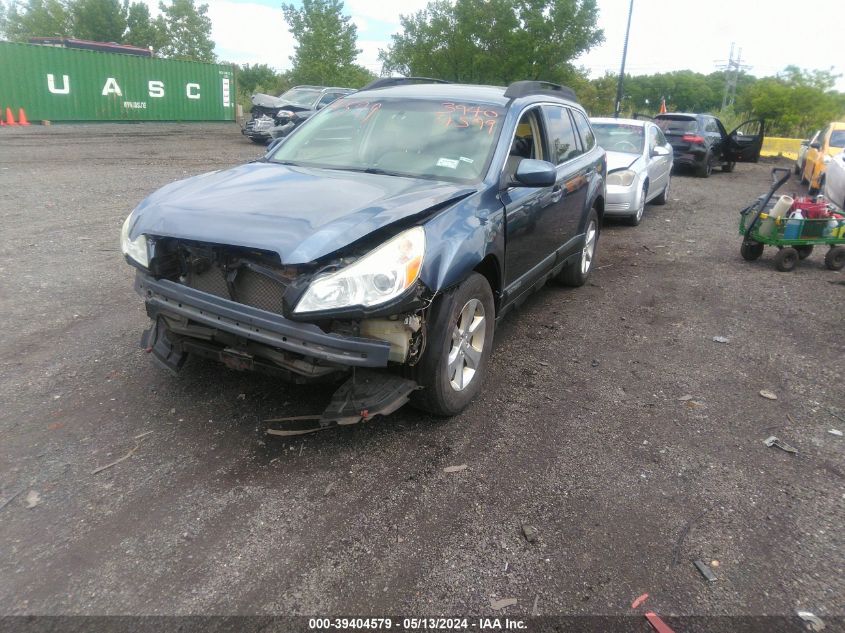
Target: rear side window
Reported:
[(677, 125), (588, 139), (837, 138), (562, 137), (712, 126)]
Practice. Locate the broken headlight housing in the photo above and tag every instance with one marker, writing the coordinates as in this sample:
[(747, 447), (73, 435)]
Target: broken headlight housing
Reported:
[(621, 178), (135, 249), (379, 276)]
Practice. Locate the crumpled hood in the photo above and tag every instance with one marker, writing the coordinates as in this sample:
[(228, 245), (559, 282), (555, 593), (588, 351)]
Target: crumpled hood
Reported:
[(620, 160), (300, 213), (266, 101)]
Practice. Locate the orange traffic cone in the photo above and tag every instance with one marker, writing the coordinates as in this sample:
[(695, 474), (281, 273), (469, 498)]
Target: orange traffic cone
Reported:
[(22, 117), (10, 120)]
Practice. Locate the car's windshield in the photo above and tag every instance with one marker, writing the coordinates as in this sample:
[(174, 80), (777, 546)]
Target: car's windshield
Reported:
[(837, 138), (300, 96), (620, 137), (676, 125), (406, 137)]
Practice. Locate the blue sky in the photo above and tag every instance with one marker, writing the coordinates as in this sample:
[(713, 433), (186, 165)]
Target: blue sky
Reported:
[(665, 35)]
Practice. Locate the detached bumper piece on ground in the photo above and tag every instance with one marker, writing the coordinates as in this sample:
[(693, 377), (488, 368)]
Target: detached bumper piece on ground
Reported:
[(365, 395), (793, 226)]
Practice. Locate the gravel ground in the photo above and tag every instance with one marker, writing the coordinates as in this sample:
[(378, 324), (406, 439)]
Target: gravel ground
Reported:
[(612, 423)]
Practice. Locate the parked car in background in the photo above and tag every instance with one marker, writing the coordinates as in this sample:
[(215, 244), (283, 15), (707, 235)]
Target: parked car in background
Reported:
[(391, 232), (830, 141), (276, 117), (700, 141), (639, 165), (834, 181), (802, 152)]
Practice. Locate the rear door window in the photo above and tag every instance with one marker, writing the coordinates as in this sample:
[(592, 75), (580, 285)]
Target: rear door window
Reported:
[(837, 138), (588, 139), (562, 136)]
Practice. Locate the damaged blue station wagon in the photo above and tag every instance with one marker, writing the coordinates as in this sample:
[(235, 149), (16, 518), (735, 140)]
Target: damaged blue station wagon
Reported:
[(380, 242)]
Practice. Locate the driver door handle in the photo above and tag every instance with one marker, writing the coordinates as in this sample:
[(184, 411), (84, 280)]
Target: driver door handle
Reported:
[(557, 193)]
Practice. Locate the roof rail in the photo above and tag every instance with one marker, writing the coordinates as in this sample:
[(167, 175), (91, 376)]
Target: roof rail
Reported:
[(385, 82), (523, 88)]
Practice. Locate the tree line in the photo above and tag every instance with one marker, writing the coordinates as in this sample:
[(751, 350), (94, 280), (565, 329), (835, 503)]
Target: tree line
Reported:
[(182, 30), (492, 42)]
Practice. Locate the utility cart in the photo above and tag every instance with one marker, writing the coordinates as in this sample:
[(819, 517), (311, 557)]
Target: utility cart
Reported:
[(794, 236)]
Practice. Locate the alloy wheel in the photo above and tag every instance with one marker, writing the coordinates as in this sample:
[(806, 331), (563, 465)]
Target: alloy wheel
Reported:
[(468, 337)]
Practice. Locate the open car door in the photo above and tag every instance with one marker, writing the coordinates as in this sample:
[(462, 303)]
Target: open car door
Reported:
[(745, 142)]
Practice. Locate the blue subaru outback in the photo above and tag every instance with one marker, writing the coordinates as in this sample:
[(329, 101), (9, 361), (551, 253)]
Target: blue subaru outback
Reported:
[(378, 244)]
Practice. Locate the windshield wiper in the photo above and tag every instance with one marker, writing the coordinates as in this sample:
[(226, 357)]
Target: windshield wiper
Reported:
[(370, 170)]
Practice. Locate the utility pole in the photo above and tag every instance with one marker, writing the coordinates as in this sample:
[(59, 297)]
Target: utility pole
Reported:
[(619, 84)]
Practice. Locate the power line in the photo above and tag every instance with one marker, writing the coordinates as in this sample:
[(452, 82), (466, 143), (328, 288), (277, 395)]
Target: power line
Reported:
[(732, 69)]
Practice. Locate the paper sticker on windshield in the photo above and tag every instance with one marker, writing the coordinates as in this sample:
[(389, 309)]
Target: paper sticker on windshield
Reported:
[(466, 160), (451, 163)]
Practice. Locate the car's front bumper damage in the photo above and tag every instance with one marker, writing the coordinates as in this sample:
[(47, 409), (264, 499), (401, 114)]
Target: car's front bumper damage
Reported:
[(189, 321), (189, 306)]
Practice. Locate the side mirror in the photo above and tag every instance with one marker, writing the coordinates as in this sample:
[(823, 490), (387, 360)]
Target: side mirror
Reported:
[(659, 150), (535, 173), (816, 145)]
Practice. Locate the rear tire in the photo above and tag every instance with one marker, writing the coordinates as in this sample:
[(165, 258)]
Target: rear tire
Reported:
[(786, 259), (751, 251), (705, 169), (804, 251), (835, 258), (460, 338), (577, 273)]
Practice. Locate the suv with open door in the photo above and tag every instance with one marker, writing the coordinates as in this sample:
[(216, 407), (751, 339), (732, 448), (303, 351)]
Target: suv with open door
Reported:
[(378, 244), (700, 141)]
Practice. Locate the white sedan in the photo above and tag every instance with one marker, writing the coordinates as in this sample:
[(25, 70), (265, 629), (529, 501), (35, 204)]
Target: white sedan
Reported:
[(639, 165), (834, 180)]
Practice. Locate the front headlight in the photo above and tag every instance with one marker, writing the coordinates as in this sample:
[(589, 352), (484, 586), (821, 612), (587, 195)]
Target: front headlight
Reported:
[(622, 178), (136, 249), (379, 276), (285, 114)]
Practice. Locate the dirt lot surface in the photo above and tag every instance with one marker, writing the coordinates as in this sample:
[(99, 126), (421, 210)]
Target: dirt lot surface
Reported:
[(612, 424)]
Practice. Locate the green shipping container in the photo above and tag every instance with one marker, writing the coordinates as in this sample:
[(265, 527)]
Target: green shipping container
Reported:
[(62, 84)]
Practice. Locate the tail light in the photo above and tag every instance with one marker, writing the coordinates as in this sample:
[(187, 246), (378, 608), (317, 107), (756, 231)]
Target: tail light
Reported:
[(693, 138)]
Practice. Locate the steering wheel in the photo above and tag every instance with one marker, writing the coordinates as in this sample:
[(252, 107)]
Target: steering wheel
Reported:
[(621, 145)]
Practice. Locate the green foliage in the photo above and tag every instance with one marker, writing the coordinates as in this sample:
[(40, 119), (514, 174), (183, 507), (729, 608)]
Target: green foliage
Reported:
[(188, 31), (796, 102), (495, 41), (98, 20), (141, 29), (326, 48), (259, 78), (182, 31), (36, 18)]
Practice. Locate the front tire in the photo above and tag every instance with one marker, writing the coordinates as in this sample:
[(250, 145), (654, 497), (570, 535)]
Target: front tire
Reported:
[(460, 339), (751, 250), (728, 167), (634, 220), (786, 259), (578, 272)]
